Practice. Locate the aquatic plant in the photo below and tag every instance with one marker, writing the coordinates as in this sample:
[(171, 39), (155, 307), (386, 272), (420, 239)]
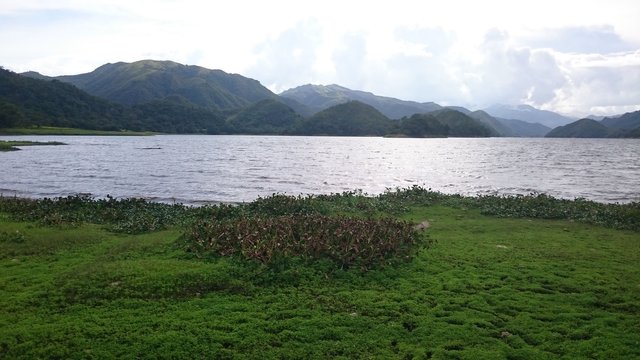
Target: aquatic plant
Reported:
[(131, 216), (347, 241)]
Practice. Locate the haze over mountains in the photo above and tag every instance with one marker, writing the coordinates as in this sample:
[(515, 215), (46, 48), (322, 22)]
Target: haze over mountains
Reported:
[(169, 97)]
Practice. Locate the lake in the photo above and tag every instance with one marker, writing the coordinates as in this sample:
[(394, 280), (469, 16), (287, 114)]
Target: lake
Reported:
[(198, 169)]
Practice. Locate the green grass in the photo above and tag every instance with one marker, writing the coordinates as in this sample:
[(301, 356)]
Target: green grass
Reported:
[(488, 288), (51, 130)]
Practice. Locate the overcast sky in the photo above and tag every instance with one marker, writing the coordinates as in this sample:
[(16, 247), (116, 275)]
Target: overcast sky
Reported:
[(576, 57)]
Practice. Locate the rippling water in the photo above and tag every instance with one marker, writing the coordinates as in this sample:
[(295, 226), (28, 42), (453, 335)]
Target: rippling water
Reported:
[(195, 169)]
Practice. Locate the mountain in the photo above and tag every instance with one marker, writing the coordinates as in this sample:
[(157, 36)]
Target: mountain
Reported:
[(150, 80), (628, 121), (529, 114), (352, 118), (498, 127), (442, 123), (584, 128), (320, 97), (26, 101), (175, 114), (626, 125), (521, 128), (265, 117), (31, 102), (461, 125)]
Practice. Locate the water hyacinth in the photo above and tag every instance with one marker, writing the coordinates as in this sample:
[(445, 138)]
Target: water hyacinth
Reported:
[(344, 240)]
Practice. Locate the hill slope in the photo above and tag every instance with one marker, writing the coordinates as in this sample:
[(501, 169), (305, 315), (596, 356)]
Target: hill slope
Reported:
[(627, 125), (442, 123), (320, 97), (265, 117), (30, 102), (352, 118), (628, 121), (584, 128), (149, 80)]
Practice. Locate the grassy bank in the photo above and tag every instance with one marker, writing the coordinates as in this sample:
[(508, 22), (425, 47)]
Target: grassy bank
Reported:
[(50, 130), (84, 278), (11, 144)]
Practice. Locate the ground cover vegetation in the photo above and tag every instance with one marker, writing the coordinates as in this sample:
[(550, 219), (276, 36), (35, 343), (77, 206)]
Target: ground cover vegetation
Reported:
[(492, 277)]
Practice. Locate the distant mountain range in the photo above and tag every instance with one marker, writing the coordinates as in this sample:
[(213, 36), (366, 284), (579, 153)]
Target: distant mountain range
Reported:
[(320, 97), (626, 125), (38, 101), (169, 97), (529, 114)]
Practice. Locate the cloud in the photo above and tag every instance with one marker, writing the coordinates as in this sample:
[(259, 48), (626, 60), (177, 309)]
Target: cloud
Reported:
[(350, 61), (601, 39), (600, 84), (289, 58), (433, 39), (512, 75)]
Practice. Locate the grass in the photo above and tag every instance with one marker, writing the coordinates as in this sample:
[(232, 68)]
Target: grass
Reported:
[(11, 144), (51, 130), (487, 287)]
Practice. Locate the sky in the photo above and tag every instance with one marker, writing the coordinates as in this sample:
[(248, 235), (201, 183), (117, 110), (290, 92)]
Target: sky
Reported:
[(576, 57)]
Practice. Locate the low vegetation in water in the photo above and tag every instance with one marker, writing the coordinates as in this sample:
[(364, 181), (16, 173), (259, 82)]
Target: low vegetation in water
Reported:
[(10, 145), (80, 280), (55, 130)]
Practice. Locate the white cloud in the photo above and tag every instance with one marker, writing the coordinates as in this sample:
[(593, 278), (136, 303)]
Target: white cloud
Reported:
[(551, 54), (288, 58), (602, 39)]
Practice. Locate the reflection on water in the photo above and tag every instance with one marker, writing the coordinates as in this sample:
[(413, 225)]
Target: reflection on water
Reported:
[(195, 169)]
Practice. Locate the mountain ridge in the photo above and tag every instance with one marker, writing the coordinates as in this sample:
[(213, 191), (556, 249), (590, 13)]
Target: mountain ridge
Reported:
[(625, 125), (320, 97), (529, 114), (147, 80), (196, 90)]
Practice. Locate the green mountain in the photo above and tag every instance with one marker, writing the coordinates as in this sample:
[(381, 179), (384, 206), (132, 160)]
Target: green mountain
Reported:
[(584, 128), (461, 125), (498, 127), (352, 118), (442, 123), (627, 125), (265, 117), (28, 102), (420, 126), (320, 97), (177, 115), (628, 121), (149, 80)]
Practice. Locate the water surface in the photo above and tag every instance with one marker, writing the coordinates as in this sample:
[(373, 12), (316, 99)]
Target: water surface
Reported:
[(195, 169)]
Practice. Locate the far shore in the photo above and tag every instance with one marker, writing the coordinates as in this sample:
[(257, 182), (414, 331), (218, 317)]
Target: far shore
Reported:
[(51, 130)]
